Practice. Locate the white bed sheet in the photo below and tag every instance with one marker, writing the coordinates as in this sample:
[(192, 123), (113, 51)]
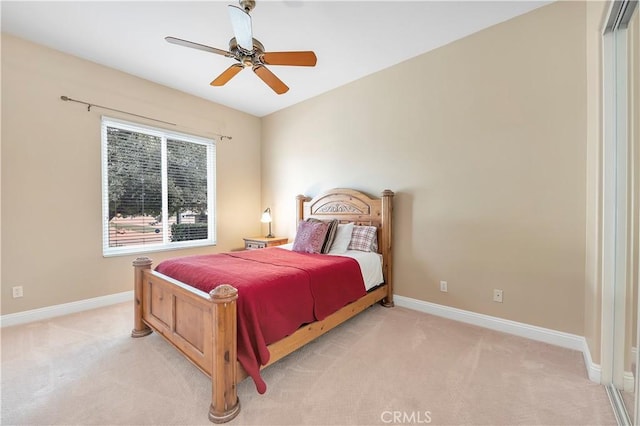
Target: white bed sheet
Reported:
[(370, 264)]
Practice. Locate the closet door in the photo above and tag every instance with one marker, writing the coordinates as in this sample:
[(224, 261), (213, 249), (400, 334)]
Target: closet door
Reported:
[(621, 208)]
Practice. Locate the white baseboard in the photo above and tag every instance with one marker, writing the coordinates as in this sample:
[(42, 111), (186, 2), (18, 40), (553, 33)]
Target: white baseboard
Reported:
[(593, 370), (64, 309), (557, 338), (628, 381), (553, 337)]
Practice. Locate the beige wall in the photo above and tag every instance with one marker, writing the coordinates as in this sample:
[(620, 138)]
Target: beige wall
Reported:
[(51, 172), (484, 142)]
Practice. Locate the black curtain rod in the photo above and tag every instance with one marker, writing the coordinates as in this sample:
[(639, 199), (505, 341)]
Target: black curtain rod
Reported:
[(89, 105)]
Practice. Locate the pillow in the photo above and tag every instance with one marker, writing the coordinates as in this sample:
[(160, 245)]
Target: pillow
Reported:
[(342, 239), (331, 233), (310, 237), (364, 238)]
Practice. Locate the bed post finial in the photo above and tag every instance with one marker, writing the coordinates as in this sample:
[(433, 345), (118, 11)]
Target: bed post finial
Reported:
[(300, 200), (225, 404), (387, 218), (140, 329)]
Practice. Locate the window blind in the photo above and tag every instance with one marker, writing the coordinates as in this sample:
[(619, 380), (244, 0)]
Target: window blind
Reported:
[(158, 189)]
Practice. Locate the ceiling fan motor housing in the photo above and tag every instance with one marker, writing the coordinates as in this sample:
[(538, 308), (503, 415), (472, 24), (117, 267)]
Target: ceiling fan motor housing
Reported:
[(247, 58)]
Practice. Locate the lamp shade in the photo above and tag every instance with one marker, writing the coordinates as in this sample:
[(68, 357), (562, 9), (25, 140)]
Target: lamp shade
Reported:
[(266, 216)]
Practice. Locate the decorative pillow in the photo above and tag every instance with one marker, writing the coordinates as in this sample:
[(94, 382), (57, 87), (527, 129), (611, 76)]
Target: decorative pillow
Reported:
[(364, 238), (331, 233), (342, 239), (310, 237)]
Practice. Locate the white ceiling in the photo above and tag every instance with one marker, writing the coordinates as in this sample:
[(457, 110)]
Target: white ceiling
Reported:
[(351, 39)]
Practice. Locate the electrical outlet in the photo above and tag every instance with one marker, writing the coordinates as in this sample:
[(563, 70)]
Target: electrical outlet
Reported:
[(17, 291), (443, 286), (497, 295)]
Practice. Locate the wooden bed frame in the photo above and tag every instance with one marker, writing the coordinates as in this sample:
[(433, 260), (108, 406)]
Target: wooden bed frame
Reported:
[(203, 326)]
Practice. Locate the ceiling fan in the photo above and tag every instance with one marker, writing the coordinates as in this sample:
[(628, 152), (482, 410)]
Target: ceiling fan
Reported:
[(249, 52)]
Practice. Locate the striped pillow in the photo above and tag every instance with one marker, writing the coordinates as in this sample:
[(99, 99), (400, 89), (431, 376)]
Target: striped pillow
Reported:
[(331, 232)]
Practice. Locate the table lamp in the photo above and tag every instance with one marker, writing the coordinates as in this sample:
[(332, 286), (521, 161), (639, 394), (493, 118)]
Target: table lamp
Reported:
[(266, 218)]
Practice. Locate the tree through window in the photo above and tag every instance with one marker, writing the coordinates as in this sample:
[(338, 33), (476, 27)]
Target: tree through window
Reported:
[(158, 189)]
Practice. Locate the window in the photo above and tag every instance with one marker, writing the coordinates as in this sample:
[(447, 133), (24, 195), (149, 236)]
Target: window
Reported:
[(158, 189)]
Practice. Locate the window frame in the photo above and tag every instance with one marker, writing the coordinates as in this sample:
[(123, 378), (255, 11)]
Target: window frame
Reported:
[(163, 134)]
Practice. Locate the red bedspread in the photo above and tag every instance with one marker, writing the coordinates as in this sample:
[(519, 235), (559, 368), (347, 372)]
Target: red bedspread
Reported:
[(278, 291)]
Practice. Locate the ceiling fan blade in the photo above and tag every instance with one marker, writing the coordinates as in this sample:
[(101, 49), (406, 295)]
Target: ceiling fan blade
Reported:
[(227, 75), (301, 59), (198, 46), (272, 81), (241, 23)]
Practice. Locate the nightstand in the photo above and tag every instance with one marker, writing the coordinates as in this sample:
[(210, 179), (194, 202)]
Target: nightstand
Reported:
[(262, 242)]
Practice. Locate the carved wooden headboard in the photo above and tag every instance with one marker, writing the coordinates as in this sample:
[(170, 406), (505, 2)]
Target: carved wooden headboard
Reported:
[(350, 205)]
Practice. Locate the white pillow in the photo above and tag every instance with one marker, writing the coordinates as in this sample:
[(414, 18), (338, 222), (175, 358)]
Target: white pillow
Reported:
[(342, 239)]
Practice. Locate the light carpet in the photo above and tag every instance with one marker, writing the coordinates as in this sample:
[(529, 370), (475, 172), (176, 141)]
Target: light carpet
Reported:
[(385, 366)]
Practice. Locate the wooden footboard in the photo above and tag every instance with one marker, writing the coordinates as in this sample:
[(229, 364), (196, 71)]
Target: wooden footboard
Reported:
[(204, 326), (201, 326)]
